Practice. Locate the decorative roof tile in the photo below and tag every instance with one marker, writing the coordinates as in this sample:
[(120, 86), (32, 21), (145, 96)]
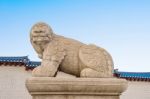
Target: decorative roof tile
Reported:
[(33, 64), (21, 59), (133, 74), (14, 59)]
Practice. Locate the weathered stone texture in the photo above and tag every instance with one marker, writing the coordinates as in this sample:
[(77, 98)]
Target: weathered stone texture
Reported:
[(75, 88), (12, 82), (137, 90), (68, 55)]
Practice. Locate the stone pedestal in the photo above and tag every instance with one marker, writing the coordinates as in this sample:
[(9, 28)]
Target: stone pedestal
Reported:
[(75, 88)]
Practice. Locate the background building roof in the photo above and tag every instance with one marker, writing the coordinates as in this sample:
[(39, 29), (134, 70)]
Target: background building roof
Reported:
[(24, 60), (14, 59)]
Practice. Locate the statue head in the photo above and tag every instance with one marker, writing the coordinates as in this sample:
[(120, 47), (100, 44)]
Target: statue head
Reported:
[(41, 34)]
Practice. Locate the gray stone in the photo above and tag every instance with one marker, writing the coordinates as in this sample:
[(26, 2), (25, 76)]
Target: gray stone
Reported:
[(75, 88)]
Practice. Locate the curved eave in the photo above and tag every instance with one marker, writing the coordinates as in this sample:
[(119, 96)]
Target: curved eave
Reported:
[(134, 76)]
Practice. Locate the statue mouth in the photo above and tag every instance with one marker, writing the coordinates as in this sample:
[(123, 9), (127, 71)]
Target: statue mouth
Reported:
[(39, 31), (41, 38), (40, 42)]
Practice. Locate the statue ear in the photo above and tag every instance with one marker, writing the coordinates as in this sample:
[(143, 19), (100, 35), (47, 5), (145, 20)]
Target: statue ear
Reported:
[(50, 34)]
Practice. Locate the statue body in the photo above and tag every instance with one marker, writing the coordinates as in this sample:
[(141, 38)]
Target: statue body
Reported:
[(59, 53)]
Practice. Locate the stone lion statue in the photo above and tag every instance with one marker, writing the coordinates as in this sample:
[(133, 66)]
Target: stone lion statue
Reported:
[(59, 53)]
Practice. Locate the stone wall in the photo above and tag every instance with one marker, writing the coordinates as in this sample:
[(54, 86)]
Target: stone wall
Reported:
[(137, 90), (12, 85), (12, 82)]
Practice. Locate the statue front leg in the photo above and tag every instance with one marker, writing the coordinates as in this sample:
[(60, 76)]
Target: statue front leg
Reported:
[(48, 68), (51, 60)]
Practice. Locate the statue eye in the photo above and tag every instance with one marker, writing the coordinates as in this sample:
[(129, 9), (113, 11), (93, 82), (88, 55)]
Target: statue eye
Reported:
[(42, 31), (36, 31), (39, 31)]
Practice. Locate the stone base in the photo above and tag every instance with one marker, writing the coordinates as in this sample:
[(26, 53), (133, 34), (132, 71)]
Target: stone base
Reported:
[(75, 88)]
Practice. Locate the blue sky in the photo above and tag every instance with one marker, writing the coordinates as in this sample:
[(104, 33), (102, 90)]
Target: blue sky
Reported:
[(120, 26)]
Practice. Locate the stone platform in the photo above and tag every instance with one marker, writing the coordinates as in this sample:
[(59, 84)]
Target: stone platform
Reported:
[(75, 88)]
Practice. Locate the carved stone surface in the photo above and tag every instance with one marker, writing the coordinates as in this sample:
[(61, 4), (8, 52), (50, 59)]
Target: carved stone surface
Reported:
[(75, 88), (59, 53)]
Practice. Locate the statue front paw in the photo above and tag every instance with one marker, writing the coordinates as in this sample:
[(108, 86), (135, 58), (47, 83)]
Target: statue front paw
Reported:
[(37, 72), (41, 71)]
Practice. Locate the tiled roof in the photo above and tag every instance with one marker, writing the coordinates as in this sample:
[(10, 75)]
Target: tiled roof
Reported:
[(133, 74), (20, 59), (33, 64), (14, 59)]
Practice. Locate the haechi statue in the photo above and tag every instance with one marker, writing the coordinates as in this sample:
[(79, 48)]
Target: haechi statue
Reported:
[(59, 53)]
